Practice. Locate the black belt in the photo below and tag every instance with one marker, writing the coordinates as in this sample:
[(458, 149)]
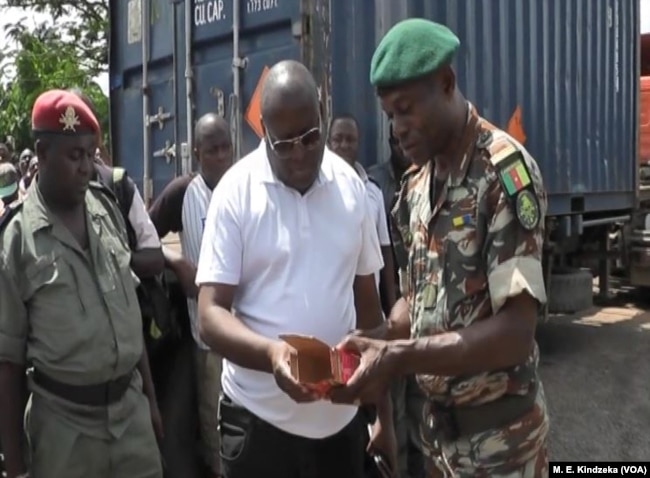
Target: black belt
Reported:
[(453, 422), (98, 395)]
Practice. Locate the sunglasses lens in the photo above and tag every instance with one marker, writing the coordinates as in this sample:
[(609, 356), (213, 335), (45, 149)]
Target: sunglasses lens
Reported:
[(283, 148), (311, 138)]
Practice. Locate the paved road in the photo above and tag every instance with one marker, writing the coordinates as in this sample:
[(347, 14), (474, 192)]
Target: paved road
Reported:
[(596, 373)]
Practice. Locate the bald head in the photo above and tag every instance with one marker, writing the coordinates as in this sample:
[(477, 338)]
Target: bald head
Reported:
[(288, 83), (208, 125), (292, 122), (213, 147)]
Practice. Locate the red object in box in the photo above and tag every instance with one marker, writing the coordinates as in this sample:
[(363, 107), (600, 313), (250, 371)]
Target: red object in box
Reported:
[(319, 366)]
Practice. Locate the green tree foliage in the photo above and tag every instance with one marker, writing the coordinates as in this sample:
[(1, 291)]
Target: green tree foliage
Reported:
[(83, 23), (48, 57)]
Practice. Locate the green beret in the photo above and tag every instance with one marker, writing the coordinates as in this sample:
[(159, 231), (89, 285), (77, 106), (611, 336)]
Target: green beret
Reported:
[(411, 49)]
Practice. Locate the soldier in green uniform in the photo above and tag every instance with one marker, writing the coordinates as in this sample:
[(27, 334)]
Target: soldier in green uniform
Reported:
[(469, 223), (69, 314)]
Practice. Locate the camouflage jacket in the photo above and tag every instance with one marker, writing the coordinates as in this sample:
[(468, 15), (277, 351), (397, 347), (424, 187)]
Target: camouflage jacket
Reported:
[(480, 244)]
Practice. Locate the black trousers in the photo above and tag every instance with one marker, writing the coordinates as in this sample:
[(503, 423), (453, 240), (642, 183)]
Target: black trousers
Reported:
[(252, 448)]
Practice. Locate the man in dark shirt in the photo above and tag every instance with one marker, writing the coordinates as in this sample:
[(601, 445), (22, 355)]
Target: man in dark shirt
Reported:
[(389, 173), (408, 399)]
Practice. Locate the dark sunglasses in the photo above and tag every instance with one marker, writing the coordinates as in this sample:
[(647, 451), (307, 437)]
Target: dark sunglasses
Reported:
[(284, 147)]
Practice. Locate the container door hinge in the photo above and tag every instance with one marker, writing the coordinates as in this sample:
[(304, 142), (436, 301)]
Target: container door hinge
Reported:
[(168, 152), (160, 117), (219, 96)]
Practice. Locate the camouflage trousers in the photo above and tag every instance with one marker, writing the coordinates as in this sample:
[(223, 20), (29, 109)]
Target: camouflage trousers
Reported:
[(516, 451)]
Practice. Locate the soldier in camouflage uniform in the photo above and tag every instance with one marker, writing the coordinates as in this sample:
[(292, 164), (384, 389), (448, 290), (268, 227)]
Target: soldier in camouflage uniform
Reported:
[(469, 234)]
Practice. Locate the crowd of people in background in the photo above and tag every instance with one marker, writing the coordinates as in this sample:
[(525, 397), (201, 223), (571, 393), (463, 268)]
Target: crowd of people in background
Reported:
[(16, 174)]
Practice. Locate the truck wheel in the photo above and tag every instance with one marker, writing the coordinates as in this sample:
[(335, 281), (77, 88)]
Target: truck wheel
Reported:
[(571, 290)]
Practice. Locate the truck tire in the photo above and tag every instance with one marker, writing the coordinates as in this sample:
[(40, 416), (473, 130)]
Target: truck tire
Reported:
[(571, 290)]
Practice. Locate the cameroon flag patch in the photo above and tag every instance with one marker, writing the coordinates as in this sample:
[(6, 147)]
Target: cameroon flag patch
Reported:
[(515, 177)]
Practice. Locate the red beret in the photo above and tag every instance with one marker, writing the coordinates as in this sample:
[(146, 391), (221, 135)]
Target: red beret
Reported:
[(62, 112)]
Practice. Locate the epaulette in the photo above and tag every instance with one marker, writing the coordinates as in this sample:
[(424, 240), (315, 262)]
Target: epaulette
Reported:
[(98, 186), (517, 184), (112, 207), (9, 212)]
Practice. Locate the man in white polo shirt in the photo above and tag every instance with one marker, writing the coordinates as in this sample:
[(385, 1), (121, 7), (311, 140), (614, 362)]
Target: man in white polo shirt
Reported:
[(289, 248)]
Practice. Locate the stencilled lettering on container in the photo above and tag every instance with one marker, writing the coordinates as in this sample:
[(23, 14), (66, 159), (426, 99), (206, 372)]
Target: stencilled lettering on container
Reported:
[(257, 6), (208, 11)]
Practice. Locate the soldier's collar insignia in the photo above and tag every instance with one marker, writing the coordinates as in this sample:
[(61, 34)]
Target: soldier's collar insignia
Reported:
[(69, 119), (527, 209)]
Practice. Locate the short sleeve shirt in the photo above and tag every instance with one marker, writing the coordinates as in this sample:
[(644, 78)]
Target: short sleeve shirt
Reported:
[(462, 258), (375, 210), (293, 258), (195, 207), (73, 314)]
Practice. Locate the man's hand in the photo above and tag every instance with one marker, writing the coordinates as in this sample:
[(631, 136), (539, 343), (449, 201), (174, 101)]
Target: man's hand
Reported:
[(370, 381), (280, 359), (384, 441)]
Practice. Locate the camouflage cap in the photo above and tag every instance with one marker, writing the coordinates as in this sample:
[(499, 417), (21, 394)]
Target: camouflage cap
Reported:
[(8, 180), (411, 49)]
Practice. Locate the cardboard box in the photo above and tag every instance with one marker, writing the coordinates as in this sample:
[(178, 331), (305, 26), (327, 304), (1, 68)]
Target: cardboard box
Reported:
[(315, 363)]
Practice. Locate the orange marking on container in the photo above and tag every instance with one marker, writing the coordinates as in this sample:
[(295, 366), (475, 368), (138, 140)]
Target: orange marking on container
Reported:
[(254, 110), (515, 126)]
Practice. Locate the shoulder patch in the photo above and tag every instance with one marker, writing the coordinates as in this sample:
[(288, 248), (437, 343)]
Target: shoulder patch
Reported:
[(504, 153), (9, 212), (527, 209), (517, 184), (513, 173)]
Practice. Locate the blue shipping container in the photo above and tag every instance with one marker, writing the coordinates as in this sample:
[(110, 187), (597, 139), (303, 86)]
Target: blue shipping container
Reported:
[(570, 68)]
